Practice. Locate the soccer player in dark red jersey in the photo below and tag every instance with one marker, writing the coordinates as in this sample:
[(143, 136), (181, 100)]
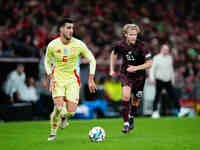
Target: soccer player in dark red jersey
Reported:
[(135, 59)]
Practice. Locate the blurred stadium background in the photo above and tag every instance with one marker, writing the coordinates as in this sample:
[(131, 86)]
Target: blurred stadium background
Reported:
[(26, 27)]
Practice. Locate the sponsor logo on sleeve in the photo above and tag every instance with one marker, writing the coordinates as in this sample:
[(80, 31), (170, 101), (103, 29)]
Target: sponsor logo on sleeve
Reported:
[(148, 55)]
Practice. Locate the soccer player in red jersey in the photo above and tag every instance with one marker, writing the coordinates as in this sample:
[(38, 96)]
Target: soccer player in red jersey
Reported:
[(135, 59)]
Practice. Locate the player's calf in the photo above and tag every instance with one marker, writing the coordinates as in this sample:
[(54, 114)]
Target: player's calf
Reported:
[(125, 111), (133, 112), (131, 122), (55, 121), (131, 117)]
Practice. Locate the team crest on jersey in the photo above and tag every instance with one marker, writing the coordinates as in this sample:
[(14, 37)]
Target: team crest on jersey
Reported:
[(58, 51), (73, 51), (65, 50)]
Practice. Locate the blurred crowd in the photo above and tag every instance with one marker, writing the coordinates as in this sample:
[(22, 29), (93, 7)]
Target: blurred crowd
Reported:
[(27, 26)]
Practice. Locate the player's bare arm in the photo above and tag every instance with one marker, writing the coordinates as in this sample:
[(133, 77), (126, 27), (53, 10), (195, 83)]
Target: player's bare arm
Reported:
[(144, 66), (113, 59)]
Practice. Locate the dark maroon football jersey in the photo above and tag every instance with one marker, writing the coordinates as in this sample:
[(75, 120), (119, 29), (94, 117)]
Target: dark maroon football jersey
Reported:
[(131, 55)]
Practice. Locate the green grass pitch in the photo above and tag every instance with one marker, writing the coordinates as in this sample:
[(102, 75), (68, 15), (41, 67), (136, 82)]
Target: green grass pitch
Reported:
[(149, 134)]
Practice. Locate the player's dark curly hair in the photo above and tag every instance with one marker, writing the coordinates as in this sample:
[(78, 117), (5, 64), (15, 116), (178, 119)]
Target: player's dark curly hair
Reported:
[(63, 21)]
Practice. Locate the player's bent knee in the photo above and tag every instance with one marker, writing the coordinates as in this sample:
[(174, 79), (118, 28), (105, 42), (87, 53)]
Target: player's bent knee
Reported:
[(59, 102)]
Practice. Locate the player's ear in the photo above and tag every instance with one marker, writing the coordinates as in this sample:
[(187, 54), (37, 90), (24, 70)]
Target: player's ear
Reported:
[(125, 34), (61, 29)]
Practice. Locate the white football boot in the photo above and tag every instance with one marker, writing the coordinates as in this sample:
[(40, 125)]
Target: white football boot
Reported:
[(52, 137), (155, 115)]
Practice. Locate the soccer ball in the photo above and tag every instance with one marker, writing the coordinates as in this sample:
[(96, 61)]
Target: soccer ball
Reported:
[(97, 134)]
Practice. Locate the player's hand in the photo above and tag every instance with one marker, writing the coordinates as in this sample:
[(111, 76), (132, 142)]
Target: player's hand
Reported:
[(52, 84), (92, 86), (132, 68), (45, 84)]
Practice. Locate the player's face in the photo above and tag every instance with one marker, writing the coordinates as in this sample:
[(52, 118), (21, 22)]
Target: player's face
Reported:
[(20, 69), (67, 31), (131, 36), (165, 50)]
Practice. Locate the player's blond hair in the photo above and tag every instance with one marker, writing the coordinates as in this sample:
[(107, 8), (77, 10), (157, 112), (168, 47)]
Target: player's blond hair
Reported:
[(132, 27)]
